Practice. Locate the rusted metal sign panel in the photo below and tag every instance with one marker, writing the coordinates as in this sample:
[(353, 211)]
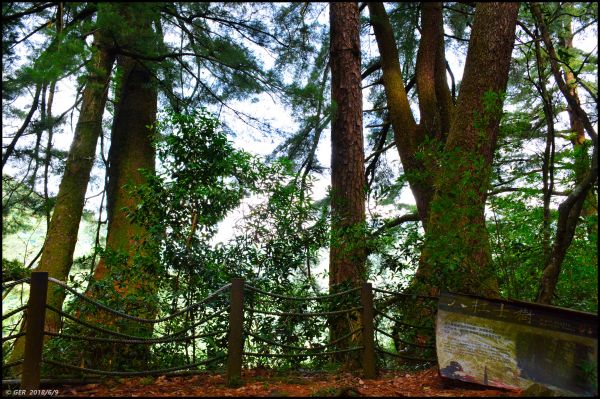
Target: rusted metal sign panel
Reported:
[(512, 344)]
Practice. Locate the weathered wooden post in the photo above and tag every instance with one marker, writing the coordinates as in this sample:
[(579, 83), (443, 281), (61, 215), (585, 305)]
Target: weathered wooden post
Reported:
[(368, 333), (34, 333), (235, 345)]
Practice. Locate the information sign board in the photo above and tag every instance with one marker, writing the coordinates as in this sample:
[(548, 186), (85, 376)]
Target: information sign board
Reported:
[(513, 344)]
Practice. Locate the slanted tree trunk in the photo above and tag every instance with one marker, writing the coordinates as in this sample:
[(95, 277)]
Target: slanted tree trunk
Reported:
[(571, 208), (57, 255), (447, 157), (580, 144), (407, 134), (347, 250), (549, 151)]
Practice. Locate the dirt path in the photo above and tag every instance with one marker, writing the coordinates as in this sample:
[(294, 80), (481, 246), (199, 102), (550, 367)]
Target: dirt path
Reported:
[(264, 383)]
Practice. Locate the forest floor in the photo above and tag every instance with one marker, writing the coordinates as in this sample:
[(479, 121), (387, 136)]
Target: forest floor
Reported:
[(266, 383)]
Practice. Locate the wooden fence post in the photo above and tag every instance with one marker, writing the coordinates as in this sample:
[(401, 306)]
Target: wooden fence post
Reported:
[(236, 334), (368, 333), (34, 333)]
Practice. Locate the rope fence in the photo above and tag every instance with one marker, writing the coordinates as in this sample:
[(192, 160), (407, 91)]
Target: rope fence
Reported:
[(128, 336), (14, 312), (405, 295), (16, 282), (307, 314), (14, 336), (398, 355), (403, 341), (289, 355), (12, 364), (299, 298), (314, 346), (399, 322), (148, 341), (362, 339), (135, 318), (405, 349)]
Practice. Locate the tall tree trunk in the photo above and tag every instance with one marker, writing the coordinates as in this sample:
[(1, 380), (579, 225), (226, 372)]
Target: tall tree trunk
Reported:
[(57, 255), (347, 250), (449, 180), (131, 150), (548, 161), (128, 265), (456, 253), (568, 215), (435, 100)]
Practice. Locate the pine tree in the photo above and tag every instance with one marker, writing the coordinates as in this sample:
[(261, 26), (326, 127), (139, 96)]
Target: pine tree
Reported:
[(347, 250)]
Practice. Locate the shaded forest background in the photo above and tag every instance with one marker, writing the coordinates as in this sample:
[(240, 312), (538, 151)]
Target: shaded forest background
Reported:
[(501, 160)]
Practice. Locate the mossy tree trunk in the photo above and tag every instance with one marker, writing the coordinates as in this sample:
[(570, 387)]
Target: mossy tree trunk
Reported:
[(347, 250), (456, 245), (59, 246), (447, 156), (126, 275)]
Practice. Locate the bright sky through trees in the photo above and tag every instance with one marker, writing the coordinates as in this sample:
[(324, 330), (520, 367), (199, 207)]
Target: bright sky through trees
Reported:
[(264, 107)]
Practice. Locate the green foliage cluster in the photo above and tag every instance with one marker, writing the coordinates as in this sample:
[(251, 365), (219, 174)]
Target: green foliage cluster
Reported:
[(518, 255), (202, 178)]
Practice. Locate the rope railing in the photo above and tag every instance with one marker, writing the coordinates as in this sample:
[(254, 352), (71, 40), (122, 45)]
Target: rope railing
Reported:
[(405, 294), (385, 304), (136, 318), (148, 341), (14, 336), (403, 341), (313, 347), (14, 312), (127, 336), (307, 314), (380, 313), (236, 333), (12, 364), (16, 282), (164, 371), (291, 355), (297, 298)]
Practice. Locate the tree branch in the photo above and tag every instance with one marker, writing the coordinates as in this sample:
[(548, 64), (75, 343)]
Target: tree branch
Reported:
[(410, 217)]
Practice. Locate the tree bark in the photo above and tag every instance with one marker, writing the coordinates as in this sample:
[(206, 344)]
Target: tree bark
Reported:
[(456, 244), (449, 179), (407, 134), (128, 264), (59, 246), (131, 150), (578, 140), (435, 100), (581, 201), (548, 160), (347, 250)]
